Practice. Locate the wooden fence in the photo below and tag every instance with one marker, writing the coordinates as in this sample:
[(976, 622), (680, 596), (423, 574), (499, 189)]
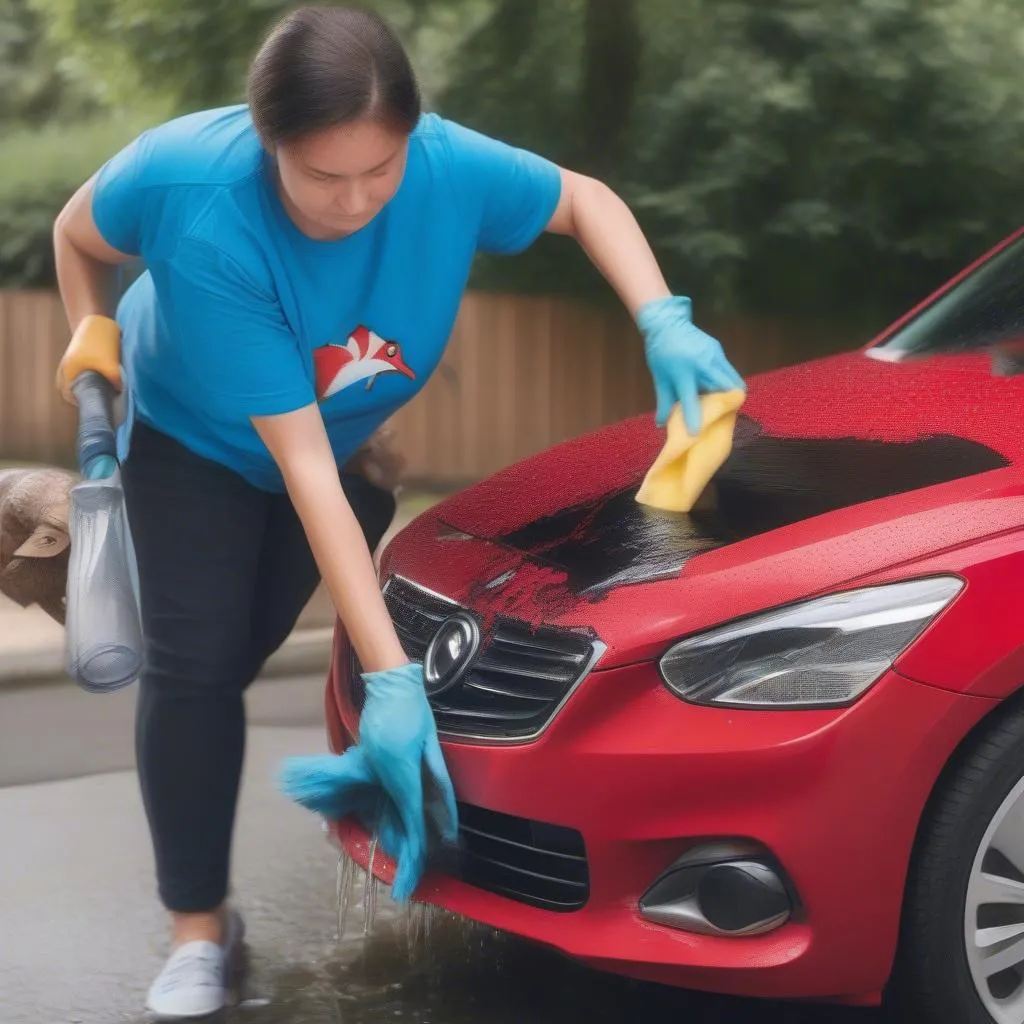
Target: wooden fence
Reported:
[(520, 374)]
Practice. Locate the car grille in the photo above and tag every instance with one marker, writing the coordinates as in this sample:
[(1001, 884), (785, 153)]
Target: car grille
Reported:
[(528, 861), (519, 681)]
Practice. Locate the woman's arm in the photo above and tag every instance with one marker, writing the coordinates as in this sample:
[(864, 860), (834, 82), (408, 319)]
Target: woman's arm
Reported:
[(684, 361), (589, 211), (85, 263), (85, 266), (299, 444)]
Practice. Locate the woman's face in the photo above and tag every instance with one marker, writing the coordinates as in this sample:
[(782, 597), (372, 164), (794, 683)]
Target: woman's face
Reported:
[(335, 182)]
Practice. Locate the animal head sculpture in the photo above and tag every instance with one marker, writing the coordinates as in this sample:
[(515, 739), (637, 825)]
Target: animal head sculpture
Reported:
[(35, 507), (34, 539)]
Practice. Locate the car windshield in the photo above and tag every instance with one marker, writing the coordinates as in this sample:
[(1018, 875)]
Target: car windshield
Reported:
[(983, 310)]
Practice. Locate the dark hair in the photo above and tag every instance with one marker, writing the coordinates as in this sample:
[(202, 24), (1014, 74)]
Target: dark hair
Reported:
[(325, 66)]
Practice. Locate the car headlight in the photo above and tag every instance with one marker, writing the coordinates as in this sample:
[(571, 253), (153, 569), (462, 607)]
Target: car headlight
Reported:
[(818, 654)]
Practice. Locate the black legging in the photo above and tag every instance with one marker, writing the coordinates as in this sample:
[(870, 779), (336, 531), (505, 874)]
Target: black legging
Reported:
[(224, 572)]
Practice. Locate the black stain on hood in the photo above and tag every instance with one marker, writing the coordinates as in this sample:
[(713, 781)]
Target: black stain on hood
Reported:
[(767, 483)]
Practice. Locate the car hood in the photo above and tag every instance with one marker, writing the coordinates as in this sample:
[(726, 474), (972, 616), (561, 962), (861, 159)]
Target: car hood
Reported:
[(844, 469)]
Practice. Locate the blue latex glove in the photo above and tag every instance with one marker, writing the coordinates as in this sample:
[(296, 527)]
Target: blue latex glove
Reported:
[(338, 786), (399, 738), (381, 780), (683, 360)]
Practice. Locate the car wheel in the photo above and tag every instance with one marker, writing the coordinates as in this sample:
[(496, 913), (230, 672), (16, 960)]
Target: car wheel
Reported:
[(961, 957)]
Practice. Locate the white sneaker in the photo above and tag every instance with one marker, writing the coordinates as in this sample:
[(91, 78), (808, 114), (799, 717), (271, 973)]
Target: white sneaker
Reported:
[(194, 981)]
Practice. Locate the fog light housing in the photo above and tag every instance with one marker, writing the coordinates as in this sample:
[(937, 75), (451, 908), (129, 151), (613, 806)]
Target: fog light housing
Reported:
[(724, 889)]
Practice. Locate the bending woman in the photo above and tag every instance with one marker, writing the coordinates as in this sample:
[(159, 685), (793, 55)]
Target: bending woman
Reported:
[(306, 254)]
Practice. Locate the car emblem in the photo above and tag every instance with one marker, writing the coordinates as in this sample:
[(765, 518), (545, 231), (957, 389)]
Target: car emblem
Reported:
[(450, 654)]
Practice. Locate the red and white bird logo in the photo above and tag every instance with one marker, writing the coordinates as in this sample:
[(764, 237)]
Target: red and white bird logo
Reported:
[(362, 357)]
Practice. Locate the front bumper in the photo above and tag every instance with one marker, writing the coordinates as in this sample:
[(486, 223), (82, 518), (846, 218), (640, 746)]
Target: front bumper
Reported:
[(834, 796)]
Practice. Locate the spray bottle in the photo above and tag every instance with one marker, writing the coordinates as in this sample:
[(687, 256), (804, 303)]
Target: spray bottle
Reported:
[(103, 630)]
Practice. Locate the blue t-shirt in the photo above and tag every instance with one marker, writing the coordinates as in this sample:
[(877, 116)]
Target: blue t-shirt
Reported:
[(240, 314)]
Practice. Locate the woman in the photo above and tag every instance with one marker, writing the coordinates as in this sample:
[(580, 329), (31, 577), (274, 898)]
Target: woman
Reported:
[(306, 254)]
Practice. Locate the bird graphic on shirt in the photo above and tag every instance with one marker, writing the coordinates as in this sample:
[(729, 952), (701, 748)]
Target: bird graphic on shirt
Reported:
[(365, 355)]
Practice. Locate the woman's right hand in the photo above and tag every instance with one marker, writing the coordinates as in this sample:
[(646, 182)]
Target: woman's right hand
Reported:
[(382, 779), (398, 735), (95, 345)]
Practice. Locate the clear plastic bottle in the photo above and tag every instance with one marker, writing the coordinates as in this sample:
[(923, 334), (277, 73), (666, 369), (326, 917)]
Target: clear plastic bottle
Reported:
[(103, 629)]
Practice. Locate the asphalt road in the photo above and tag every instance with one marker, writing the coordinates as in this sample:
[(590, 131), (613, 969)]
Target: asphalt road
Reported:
[(82, 934)]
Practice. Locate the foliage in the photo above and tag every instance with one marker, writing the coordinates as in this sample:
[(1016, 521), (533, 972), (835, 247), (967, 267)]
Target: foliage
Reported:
[(56, 131), (36, 83), (801, 157), (197, 52), (39, 172), (810, 157)]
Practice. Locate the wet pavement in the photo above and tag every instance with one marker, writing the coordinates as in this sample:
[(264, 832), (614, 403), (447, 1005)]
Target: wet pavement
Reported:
[(82, 934)]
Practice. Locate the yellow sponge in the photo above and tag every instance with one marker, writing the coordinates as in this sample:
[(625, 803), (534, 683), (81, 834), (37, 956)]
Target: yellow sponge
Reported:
[(686, 463)]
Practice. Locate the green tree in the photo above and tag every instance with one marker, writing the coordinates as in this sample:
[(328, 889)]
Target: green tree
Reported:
[(802, 157), (799, 157), (36, 84), (56, 129), (196, 53)]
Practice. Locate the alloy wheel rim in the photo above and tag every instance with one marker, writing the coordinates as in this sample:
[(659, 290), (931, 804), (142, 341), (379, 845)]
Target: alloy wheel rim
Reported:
[(994, 913)]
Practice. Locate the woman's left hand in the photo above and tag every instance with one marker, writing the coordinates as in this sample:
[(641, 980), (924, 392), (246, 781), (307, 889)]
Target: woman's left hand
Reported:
[(684, 361)]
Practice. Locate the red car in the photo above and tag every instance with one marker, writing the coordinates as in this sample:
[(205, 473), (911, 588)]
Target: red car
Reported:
[(774, 747)]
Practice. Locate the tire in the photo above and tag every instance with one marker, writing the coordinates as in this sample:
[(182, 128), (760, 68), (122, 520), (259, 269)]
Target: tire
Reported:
[(933, 980)]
